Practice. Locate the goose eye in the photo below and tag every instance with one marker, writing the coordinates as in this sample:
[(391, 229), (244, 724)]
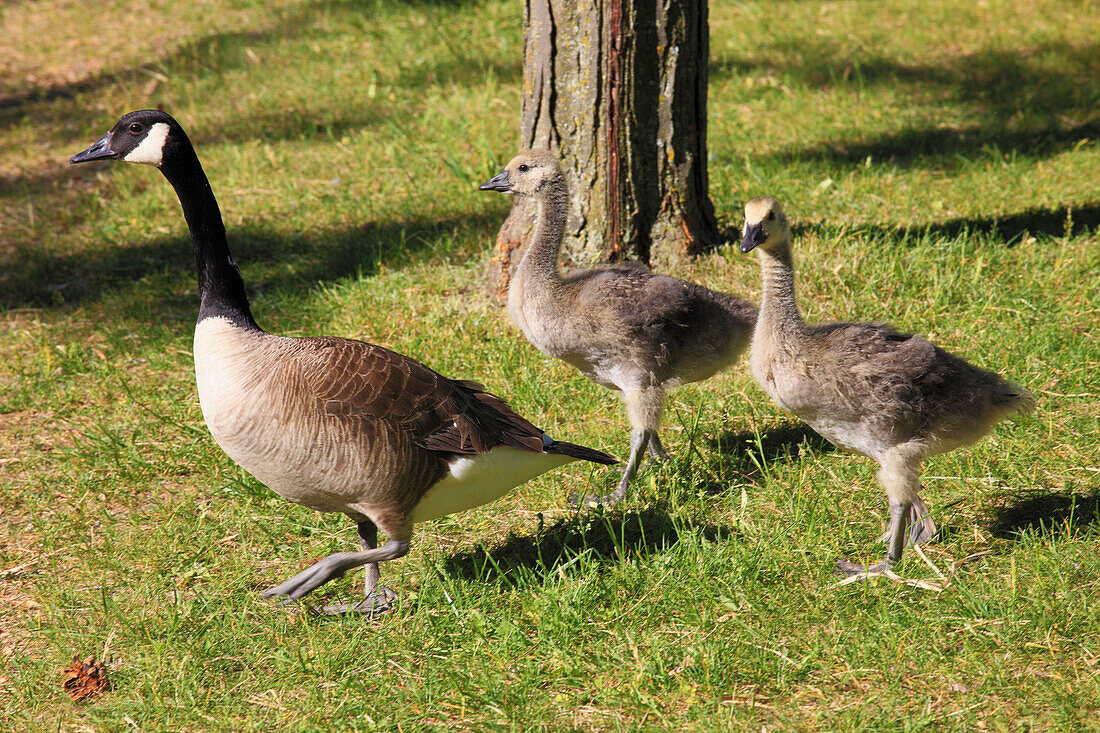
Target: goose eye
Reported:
[(135, 127), (771, 216), (523, 168)]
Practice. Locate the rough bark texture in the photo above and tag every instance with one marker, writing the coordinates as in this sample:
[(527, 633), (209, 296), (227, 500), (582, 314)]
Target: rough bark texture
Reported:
[(619, 89)]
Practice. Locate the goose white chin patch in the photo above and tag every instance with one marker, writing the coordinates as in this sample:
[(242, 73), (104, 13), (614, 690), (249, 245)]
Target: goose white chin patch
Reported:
[(151, 149)]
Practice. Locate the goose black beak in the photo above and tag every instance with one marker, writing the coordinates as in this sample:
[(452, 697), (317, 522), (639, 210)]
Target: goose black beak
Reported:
[(499, 182), (754, 235), (99, 150)]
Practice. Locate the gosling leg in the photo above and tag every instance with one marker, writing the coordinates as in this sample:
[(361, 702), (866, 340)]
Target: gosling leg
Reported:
[(657, 451), (899, 523), (639, 439)]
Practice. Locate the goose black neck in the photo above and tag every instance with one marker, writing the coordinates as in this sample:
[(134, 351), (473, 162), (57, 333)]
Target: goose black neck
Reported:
[(221, 289)]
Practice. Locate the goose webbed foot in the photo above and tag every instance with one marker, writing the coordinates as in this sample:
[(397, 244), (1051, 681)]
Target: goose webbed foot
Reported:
[(332, 567), (379, 602)]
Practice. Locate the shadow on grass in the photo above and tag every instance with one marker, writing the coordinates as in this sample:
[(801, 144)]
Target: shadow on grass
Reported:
[(34, 279), (939, 146), (218, 54), (1009, 228), (1037, 100), (745, 453), (1049, 514), (599, 537)]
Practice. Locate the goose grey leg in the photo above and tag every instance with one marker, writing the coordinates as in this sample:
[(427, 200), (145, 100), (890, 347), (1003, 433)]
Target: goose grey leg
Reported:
[(332, 567), (899, 523), (639, 439), (657, 451), (378, 599)]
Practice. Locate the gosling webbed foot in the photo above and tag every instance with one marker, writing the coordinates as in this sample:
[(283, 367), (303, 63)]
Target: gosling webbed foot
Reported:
[(595, 500), (639, 439), (844, 567)]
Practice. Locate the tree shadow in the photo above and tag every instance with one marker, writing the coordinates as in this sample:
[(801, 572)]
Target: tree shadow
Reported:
[(918, 147), (222, 53), (268, 259), (603, 538), (1009, 228), (1046, 514), (220, 50), (745, 453), (1059, 222), (1035, 101)]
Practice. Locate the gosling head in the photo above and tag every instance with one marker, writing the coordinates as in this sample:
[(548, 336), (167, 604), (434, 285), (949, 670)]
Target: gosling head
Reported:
[(527, 174), (765, 225), (147, 136)]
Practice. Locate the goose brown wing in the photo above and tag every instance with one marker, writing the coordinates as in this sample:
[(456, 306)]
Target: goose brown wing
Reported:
[(360, 380)]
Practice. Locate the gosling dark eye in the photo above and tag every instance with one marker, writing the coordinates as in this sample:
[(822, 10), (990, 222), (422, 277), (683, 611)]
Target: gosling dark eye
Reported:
[(771, 216), (523, 167), (135, 127)]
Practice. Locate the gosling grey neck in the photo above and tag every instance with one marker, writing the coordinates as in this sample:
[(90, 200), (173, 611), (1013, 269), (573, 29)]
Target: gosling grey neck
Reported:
[(778, 308), (540, 264)]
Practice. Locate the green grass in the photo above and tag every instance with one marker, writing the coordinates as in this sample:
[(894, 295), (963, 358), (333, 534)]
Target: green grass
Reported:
[(941, 162)]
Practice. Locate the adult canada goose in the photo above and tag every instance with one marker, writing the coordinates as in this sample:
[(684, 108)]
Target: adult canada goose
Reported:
[(867, 388), (623, 327), (330, 423)]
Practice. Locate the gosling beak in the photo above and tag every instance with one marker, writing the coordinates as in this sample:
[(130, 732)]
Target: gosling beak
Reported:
[(499, 182), (754, 235), (99, 150)]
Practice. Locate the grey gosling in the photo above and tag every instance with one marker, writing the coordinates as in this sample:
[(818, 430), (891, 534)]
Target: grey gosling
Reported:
[(623, 327), (333, 424), (865, 387)]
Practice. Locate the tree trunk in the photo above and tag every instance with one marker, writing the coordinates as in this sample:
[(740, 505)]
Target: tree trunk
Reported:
[(618, 88)]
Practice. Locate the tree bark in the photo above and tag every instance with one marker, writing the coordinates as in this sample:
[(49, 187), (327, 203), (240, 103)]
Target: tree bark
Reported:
[(618, 88)]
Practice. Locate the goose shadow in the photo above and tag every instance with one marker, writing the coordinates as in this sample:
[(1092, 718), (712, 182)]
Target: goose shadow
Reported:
[(604, 538), (1054, 513), (745, 453)]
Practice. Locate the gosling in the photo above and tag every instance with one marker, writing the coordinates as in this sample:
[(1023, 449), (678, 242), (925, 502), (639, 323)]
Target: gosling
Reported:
[(623, 327), (868, 389)]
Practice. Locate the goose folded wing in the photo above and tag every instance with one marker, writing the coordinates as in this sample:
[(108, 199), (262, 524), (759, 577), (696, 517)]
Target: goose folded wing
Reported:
[(360, 380)]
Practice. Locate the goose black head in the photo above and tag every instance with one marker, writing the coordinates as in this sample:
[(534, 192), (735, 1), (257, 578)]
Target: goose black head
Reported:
[(527, 174), (765, 224), (146, 136)]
